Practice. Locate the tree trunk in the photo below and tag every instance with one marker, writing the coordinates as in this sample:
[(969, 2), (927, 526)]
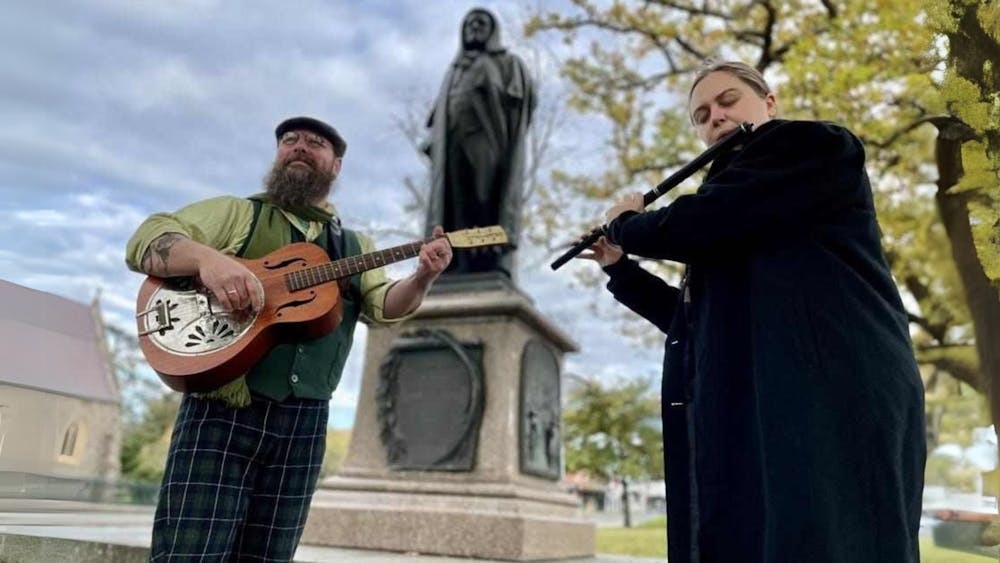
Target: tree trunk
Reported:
[(626, 504), (960, 361), (982, 299), (970, 46), (984, 304)]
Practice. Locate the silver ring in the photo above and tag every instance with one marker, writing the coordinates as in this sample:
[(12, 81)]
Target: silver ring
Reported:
[(231, 291)]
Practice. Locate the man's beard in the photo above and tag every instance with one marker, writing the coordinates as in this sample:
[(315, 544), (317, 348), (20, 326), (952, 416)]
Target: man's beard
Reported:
[(290, 186)]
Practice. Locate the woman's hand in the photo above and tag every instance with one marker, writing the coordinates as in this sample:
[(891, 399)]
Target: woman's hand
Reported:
[(630, 202), (603, 252)]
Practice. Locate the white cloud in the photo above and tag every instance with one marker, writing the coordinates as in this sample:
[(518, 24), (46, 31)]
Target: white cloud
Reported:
[(115, 109), (169, 83), (177, 12)]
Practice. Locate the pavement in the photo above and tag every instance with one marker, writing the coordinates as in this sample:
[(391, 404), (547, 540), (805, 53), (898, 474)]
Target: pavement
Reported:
[(74, 532)]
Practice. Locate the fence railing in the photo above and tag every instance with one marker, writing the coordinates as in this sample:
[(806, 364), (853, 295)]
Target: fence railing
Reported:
[(35, 486)]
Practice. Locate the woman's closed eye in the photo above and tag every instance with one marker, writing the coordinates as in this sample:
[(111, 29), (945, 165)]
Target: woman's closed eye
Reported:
[(728, 101)]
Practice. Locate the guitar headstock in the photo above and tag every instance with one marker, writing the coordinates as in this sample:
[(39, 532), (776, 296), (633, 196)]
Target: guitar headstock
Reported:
[(482, 236)]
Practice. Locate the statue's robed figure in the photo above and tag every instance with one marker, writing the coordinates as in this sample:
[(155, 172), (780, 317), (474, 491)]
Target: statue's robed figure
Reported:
[(478, 127)]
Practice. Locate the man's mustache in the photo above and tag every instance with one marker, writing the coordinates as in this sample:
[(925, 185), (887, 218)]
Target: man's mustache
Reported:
[(299, 158)]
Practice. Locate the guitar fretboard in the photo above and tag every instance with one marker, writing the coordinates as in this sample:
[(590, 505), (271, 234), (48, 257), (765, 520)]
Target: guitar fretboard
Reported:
[(345, 267)]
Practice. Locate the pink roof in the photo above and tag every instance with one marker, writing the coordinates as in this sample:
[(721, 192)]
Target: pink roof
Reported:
[(52, 343)]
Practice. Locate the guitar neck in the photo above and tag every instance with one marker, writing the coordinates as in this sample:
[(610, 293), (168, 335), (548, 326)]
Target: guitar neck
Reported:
[(346, 267)]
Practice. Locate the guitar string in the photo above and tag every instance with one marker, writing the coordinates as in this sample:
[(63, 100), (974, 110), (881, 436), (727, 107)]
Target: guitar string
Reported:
[(329, 271), (314, 275)]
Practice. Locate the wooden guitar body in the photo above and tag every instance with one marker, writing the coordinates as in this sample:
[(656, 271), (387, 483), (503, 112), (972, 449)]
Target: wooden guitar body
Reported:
[(195, 346)]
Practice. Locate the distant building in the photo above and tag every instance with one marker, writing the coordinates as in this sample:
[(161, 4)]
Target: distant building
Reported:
[(59, 399), (590, 492), (646, 495)]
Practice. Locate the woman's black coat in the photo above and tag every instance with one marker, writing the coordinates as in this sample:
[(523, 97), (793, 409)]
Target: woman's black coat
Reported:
[(790, 390)]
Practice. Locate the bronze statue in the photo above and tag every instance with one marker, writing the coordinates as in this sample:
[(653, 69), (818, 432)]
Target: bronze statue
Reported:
[(478, 126)]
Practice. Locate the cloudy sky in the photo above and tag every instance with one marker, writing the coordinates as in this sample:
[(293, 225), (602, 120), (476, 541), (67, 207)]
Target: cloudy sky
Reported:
[(114, 109)]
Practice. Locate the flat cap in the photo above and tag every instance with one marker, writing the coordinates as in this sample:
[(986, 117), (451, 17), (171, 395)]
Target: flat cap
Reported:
[(316, 126)]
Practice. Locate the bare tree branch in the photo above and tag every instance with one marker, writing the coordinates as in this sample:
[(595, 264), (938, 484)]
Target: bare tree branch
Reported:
[(701, 55), (960, 362), (691, 10), (942, 122), (831, 9)]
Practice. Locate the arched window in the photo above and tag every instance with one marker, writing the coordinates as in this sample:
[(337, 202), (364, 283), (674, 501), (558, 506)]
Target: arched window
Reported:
[(74, 443), (69, 440)]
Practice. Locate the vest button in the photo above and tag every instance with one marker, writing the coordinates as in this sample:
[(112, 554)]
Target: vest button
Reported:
[(295, 378)]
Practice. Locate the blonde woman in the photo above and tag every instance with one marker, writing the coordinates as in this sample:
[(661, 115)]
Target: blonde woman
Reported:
[(792, 405)]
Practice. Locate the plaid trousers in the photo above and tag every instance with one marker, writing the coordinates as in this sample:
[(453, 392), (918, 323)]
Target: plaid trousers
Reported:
[(238, 481)]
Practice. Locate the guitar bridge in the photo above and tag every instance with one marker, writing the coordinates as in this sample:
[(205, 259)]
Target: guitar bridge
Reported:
[(161, 321)]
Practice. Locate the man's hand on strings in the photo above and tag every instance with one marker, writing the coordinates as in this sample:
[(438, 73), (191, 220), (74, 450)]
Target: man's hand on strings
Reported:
[(434, 256), (234, 286)]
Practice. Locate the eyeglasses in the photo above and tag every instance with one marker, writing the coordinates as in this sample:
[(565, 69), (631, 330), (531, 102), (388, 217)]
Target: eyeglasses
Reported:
[(291, 138)]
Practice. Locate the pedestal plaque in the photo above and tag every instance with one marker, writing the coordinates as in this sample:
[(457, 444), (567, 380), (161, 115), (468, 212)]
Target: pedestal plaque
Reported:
[(430, 402), (541, 415), (400, 491)]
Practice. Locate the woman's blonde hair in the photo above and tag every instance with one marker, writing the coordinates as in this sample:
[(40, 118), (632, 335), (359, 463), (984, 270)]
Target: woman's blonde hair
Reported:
[(746, 73)]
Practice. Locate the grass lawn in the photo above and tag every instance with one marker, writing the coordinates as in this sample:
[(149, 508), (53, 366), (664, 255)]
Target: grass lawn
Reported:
[(930, 553), (649, 540)]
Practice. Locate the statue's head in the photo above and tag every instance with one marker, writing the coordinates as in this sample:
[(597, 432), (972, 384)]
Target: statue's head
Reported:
[(480, 31)]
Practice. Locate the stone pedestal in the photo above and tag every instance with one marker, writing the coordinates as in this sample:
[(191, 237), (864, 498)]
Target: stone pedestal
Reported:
[(502, 505)]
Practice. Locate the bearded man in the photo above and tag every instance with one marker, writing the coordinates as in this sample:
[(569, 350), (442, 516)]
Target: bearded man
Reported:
[(476, 147), (244, 460)]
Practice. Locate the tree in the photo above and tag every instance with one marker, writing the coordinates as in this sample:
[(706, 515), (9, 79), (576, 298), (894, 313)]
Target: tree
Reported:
[(613, 431), (147, 411), (916, 80), (145, 441), (967, 155), (138, 387)]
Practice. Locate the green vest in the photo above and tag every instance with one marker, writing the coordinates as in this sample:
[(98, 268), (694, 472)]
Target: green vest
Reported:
[(309, 369)]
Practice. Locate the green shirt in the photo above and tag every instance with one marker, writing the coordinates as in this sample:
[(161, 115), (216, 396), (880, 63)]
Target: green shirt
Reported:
[(224, 223)]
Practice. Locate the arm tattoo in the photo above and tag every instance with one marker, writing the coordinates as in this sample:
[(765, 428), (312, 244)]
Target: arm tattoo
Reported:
[(155, 259)]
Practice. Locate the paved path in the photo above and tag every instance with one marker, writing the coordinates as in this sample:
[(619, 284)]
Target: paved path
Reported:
[(55, 531)]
